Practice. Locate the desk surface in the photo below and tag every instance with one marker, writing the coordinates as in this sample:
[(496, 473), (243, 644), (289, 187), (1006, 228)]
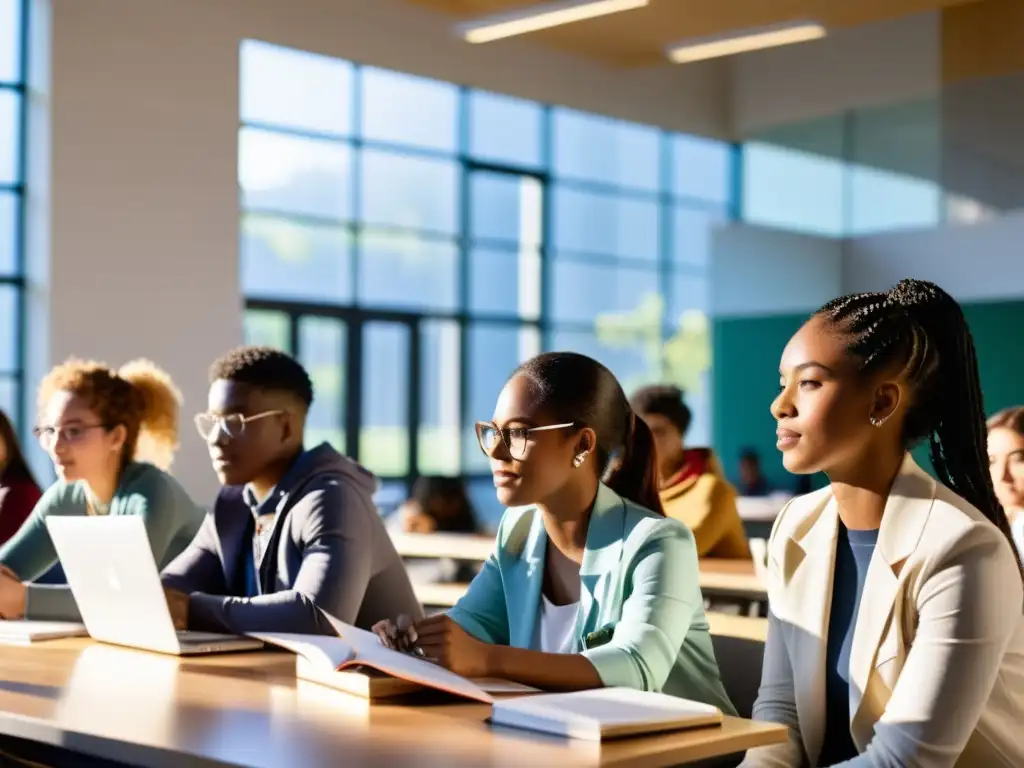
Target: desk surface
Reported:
[(247, 709)]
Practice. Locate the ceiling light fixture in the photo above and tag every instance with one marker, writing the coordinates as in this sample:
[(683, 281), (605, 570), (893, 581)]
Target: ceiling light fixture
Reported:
[(746, 40), (538, 17)]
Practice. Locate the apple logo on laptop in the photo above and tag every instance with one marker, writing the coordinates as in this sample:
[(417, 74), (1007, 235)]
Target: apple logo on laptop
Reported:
[(112, 580)]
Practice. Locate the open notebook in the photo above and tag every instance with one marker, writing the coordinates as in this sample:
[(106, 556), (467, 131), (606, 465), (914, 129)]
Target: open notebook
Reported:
[(605, 713), (356, 662), (25, 632)]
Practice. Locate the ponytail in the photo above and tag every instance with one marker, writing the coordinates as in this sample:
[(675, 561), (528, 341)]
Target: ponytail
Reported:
[(159, 401), (636, 475)]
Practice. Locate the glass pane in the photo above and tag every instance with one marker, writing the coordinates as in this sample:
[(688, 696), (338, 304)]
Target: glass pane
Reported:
[(8, 223), (10, 41), (286, 259), (632, 362), (692, 235), (701, 168), (409, 192), (794, 190), (10, 328), (389, 495), (506, 207), (288, 174), (689, 292), (485, 503), (322, 345), (270, 93), (505, 130), (10, 136), (493, 353), (9, 399), (265, 328), (403, 109), (586, 222), (505, 282), (400, 270), (384, 437), (438, 449), (583, 291), (883, 201), (604, 150)]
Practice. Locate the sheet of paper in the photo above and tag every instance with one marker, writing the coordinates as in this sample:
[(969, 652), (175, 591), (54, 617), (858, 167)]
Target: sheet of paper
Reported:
[(417, 670), (493, 685), (323, 650), (25, 631)]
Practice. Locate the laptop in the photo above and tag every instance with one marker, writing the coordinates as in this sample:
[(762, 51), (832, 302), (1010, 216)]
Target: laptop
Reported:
[(113, 576)]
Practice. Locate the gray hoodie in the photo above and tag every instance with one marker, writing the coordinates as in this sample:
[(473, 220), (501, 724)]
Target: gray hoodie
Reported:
[(328, 549)]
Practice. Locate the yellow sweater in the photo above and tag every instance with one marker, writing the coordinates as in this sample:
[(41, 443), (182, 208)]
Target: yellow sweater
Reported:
[(706, 504)]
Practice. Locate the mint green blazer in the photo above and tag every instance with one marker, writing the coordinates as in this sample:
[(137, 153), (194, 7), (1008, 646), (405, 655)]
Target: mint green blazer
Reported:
[(641, 620)]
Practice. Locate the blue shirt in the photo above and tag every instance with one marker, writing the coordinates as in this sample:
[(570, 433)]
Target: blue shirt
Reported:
[(853, 555), (263, 514)]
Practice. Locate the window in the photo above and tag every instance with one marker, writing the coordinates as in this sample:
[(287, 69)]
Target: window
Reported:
[(13, 20), (413, 241)]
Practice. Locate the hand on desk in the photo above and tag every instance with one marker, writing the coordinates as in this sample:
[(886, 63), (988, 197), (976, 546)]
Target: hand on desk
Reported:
[(437, 639), (177, 604), (12, 594)]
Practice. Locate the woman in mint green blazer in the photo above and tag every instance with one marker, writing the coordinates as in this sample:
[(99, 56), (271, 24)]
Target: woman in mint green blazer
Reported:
[(590, 585)]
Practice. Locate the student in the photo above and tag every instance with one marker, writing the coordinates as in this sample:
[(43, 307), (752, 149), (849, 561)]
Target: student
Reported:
[(18, 489), (294, 530), (752, 479), (895, 633), (590, 585), (101, 428), (693, 489), (1006, 463)]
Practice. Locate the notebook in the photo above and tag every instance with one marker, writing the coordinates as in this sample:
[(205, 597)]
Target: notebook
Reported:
[(25, 632), (605, 713), (356, 662)]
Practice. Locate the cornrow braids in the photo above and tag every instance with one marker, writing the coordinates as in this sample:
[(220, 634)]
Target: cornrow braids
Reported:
[(920, 327)]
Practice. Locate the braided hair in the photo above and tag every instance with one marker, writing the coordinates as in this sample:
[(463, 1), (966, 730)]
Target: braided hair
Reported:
[(920, 327)]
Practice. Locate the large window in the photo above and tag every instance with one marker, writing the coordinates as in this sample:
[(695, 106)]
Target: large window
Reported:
[(13, 23), (412, 241)]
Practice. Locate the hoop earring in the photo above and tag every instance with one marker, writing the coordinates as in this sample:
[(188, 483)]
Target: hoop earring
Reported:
[(577, 462)]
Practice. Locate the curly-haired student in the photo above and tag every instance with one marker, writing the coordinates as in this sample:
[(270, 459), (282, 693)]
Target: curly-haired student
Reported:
[(111, 435), (895, 636)]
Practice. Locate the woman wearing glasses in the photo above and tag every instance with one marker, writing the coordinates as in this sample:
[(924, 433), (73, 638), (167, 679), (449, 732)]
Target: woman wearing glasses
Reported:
[(590, 585), (111, 436)]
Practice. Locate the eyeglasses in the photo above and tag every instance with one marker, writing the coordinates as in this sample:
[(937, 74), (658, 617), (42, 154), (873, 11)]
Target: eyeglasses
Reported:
[(48, 436), (515, 438), (232, 424)]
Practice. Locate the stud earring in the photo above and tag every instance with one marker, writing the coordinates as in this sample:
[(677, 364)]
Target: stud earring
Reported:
[(580, 458)]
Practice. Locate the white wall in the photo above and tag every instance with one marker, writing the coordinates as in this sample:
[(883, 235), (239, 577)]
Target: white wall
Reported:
[(983, 262), (134, 201), (874, 64), (762, 271)]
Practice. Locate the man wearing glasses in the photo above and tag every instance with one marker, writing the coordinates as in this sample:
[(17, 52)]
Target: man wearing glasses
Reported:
[(293, 530)]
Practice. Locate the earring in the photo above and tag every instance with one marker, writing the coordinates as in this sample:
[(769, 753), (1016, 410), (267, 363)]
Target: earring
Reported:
[(580, 458), (875, 421)]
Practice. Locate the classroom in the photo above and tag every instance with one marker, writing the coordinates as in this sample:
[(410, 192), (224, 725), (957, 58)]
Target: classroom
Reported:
[(582, 382)]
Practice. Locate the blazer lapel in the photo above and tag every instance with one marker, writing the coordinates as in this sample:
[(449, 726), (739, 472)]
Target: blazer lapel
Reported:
[(231, 517), (601, 556), (903, 520), (808, 568), (532, 562)]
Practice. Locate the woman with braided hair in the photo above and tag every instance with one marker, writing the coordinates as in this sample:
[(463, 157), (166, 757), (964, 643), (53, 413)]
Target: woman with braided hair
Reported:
[(896, 635), (111, 435)]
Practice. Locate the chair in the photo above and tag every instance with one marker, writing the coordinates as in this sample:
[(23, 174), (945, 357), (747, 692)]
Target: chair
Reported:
[(739, 661)]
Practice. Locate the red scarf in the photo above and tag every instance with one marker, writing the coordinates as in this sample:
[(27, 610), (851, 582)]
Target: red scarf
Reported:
[(695, 464)]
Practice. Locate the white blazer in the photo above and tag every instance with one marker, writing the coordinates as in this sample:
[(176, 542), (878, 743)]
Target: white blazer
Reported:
[(937, 660)]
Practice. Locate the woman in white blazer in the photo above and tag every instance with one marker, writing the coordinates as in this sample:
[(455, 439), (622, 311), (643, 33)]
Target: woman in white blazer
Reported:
[(896, 634)]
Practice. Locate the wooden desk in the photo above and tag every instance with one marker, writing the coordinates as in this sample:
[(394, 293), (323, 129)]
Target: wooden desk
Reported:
[(731, 578), (248, 710), (456, 546), (439, 595), (744, 627)]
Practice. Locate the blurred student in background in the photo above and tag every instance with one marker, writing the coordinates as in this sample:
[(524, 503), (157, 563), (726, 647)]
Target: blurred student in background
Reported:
[(752, 479), (589, 584), (18, 489), (1006, 462), (111, 436), (693, 489)]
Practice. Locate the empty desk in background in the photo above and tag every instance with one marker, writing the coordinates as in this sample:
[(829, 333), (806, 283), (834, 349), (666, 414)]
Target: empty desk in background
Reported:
[(247, 709)]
